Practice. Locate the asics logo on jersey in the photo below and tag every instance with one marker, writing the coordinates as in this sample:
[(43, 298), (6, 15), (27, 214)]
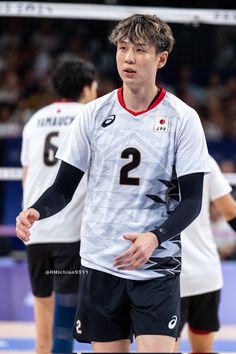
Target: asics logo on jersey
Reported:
[(172, 322), (109, 120)]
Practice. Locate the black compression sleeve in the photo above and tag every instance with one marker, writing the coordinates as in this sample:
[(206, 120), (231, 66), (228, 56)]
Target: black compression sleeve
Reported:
[(232, 223), (188, 209), (56, 197)]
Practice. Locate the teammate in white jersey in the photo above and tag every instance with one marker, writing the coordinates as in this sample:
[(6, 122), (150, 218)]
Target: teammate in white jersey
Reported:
[(53, 250), (139, 144), (201, 276)]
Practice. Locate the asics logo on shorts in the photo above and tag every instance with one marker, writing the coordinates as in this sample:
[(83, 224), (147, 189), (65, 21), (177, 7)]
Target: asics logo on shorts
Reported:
[(172, 322), (109, 120)]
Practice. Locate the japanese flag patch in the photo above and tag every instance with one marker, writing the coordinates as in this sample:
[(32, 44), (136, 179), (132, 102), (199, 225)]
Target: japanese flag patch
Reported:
[(161, 125)]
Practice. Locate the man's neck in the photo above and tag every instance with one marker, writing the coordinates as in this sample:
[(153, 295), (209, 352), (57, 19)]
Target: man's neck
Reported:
[(140, 99)]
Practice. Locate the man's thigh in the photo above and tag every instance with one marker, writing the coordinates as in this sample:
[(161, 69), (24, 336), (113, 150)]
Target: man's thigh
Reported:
[(184, 312), (54, 267), (66, 262), (155, 344), (203, 312), (103, 310), (39, 265), (155, 306)]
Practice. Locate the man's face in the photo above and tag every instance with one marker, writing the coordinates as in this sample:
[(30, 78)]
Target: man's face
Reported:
[(137, 63)]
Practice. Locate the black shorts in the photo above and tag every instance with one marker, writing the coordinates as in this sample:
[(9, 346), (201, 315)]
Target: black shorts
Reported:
[(200, 312), (112, 308), (53, 267)]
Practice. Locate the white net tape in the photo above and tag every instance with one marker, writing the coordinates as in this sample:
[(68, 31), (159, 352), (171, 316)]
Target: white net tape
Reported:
[(114, 12), (10, 174), (15, 174)]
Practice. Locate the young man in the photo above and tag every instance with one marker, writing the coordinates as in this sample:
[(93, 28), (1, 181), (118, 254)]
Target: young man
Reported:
[(138, 143), (201, 276), (53, 250)]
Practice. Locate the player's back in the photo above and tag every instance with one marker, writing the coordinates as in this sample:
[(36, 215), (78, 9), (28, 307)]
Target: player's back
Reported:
[(41, 137)]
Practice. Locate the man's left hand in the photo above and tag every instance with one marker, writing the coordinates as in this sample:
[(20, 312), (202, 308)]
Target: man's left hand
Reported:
[(143, 245)]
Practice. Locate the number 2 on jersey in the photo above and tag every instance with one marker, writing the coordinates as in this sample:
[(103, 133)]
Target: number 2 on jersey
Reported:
[(50, 150), (136, 158)]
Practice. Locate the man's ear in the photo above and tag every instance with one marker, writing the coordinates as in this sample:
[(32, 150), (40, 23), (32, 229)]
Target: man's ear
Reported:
[(162, 59)]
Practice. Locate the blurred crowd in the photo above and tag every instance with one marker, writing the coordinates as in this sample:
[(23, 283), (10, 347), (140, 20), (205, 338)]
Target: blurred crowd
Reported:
[(29, 49)]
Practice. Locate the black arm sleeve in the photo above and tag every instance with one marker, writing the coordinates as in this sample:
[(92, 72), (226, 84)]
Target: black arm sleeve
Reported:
[(190, 206), (56, 197)]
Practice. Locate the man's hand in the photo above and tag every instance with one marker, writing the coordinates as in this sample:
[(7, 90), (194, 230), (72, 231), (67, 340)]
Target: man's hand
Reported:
[(24, 221), (143, 245)]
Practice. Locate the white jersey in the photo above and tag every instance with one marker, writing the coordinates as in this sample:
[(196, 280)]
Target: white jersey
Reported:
[(201, 268), (133, 160), (41, 138)]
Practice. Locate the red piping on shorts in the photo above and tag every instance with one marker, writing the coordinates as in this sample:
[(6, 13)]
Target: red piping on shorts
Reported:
[(198, 331)]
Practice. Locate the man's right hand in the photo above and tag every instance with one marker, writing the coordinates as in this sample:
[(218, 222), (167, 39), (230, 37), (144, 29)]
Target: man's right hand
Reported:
[(24, 221)]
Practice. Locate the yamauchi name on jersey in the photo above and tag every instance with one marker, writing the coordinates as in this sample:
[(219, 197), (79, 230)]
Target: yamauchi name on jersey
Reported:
[(55, 121)]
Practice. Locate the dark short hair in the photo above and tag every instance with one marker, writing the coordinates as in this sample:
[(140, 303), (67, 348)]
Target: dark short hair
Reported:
[(147, 29), (71, 76)]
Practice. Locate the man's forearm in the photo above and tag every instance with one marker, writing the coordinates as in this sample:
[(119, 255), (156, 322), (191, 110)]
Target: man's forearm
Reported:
[(56, 197), (189, 208)]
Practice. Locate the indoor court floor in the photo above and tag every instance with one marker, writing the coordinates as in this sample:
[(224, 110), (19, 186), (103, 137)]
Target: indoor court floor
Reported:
[(16, 312), (18, 338)]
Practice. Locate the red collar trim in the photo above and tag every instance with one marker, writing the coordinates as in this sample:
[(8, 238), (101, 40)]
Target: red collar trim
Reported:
[(155, 103)]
